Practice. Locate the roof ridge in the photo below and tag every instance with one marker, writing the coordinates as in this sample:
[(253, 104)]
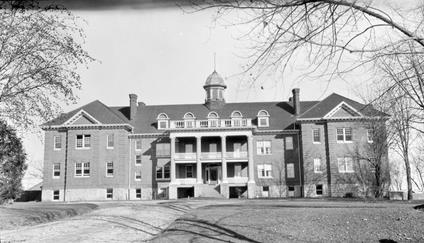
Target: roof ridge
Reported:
[(109, 109)]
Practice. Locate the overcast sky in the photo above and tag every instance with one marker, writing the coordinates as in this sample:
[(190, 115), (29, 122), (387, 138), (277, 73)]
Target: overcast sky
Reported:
[(164, 55)]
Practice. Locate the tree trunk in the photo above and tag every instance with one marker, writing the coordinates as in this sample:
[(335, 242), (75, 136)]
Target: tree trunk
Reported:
[(408, 176)]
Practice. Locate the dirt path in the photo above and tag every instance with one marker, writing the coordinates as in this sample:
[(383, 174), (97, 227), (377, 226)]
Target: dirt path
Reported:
[(111, 222)]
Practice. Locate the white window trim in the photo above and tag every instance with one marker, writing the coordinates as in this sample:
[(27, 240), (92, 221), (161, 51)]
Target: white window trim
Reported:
[(369, 141), (270, 147), (344, 135), (83, 141), (263, 118), (294, 171), (135, 145), (313, 137), (292, 142), (138, 193), (166, 124), (82, 170), (53, 176), (320, 166), (263, 167), (111, 198), (345, 163), (107, 141), (135, 175), (58, 198), (135, 160), (54, 142), (113, 169)]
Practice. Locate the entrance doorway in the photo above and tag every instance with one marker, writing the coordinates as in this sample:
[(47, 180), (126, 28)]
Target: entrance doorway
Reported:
[(212, 174)]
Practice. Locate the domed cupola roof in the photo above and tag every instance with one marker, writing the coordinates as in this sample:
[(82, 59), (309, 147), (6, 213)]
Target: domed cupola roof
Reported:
[(214, 79)]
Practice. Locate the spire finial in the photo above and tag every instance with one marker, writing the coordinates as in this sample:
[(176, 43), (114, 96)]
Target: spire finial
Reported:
[(214, 61)]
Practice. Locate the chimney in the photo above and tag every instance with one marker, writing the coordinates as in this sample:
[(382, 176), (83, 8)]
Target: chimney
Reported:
[(133, 106), (296, 102)]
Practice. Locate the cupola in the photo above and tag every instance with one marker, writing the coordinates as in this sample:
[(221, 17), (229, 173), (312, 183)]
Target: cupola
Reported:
[(214, 87)]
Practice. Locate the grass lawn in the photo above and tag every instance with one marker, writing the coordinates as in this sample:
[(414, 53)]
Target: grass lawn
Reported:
[(299, 221), (31, 213)]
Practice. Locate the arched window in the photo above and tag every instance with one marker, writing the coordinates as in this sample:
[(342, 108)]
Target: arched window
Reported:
[(263, 118), (189, 120), (236, 114), (162, 121), (213, 115), (189, 116), (162, 116), (213, 119)]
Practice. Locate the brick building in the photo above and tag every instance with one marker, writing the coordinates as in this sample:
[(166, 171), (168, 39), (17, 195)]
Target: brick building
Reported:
[(216, 149)]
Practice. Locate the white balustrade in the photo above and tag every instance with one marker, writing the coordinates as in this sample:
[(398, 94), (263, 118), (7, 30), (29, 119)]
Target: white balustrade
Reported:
[(211, 123)]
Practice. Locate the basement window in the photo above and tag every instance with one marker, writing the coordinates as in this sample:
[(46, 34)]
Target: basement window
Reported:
[(56, 195), (109, 193), (138, 193), (318, 190)]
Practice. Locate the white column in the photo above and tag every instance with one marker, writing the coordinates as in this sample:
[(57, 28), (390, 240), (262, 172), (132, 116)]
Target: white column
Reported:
[(198, 161), (173, 167), (251, 164), (224, 160)]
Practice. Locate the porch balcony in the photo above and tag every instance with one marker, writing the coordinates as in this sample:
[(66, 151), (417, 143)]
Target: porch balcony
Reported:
[(237, 180), (185, 156), (211, 123), (211, 155), (236, 155)]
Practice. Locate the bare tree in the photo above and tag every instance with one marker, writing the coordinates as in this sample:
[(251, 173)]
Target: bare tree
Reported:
[(40, 53), (372, 159), (418, 169), (336, 37), (396, 175)]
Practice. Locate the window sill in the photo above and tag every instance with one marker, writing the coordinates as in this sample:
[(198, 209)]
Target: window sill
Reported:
[(264, 154), (163, 179), (138, 164), (82, 148), (318, 172), (109, 147), (109, 176), (344, 141), (316, 142), (269, 177), (57, 149), (81, 176)]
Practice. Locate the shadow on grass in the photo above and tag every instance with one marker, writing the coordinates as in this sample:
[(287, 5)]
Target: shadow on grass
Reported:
[(206, 229)]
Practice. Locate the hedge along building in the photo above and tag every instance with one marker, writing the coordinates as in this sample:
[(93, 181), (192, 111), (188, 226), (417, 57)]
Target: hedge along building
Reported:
[(216, 149)]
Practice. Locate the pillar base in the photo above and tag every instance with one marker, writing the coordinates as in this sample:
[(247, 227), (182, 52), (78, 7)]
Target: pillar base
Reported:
[(173, 194), (225, 189), (251, 187)]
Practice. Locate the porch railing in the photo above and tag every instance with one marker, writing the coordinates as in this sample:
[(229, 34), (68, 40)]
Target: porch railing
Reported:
[(236, 154), (211, 123), (185, 156), (211, 155)]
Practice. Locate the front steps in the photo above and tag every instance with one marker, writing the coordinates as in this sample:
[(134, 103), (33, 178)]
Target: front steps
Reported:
[(206, 190)]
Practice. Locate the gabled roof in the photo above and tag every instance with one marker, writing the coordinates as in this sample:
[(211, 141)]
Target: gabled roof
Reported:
[(95, 109), (322, 108)]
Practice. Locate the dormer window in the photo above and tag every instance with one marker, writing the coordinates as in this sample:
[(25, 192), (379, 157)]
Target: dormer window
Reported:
[(263, 118), (236, 118), (213, 119), (189, 120), (162, 121)]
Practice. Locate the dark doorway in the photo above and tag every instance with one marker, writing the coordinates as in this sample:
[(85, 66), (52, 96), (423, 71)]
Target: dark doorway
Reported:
[(237, 191), (184, 192)]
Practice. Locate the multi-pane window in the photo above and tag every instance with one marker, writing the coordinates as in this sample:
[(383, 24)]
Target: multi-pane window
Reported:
[(162, 124), (138, 159), (289, 143), (316, 135), (110, 141), (163, 150), (370, 135), (109, 193), (189, 171), (163, 172), (290, 170), (138, 144), (318, 189), (56, 195), (57, 142), (138, 175), (263, 147), (82, 169), (263, 118), (317, 165), (83, 141), (138, 193), (265, 171), (345, 165), (344, 134), (109, 169), (56, 170)]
